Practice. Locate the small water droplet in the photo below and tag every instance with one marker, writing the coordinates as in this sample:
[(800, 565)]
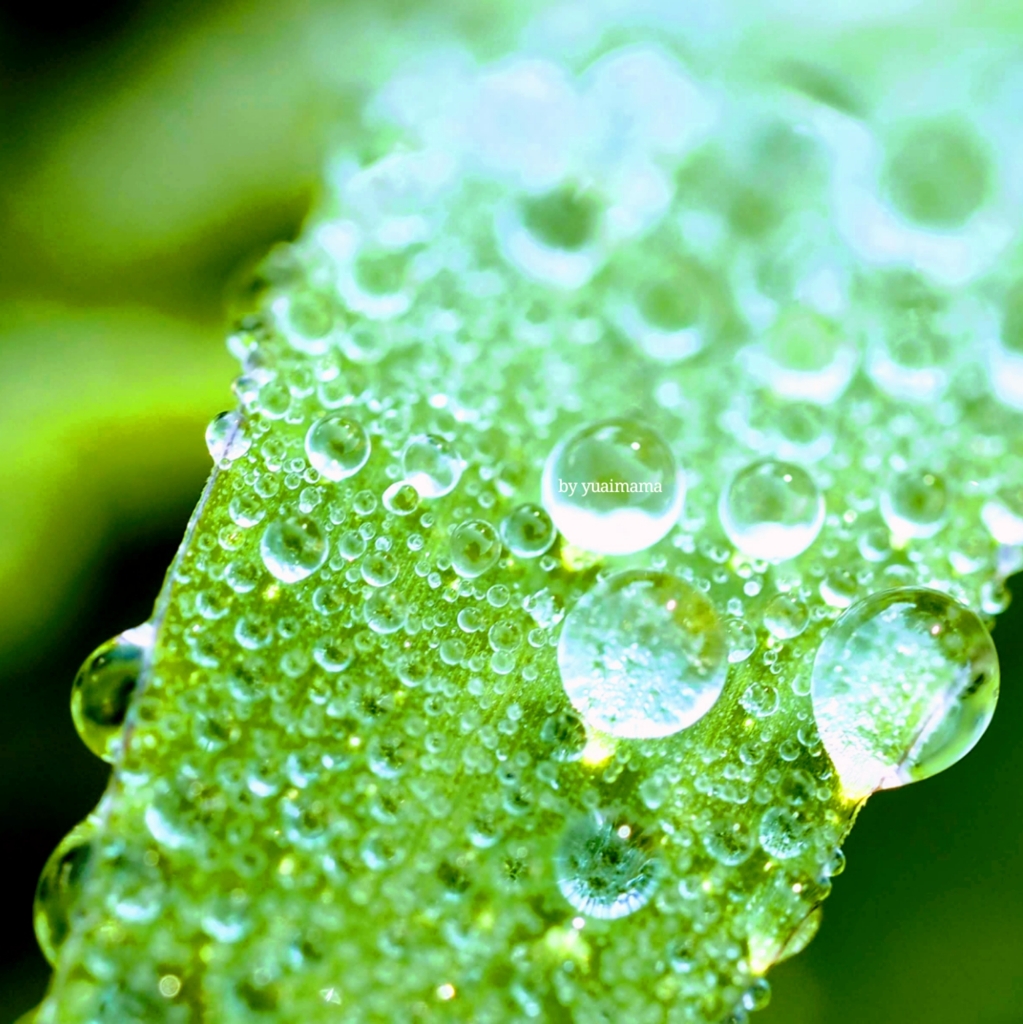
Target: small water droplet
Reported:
[(914, 504), (528, 531), (431, 465), (783, 833), (603, 867), (226, 437), (475, 548), (742, 640), (772, 510), (337, 447), (786, 617), (293, 548)]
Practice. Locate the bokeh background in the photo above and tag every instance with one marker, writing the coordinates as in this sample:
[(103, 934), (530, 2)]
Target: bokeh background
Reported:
[(149, 155)]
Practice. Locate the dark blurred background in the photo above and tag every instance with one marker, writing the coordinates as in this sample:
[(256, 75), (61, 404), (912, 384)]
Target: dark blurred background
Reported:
[(148, 155)]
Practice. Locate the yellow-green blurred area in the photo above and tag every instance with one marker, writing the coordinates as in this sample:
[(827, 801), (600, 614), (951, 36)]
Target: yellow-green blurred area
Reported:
[(149, 154)]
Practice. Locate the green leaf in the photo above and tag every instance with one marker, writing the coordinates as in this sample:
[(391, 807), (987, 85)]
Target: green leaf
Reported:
[(525, 657)]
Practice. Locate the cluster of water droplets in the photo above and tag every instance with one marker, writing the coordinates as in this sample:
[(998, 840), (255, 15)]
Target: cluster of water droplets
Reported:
[(604, 515)]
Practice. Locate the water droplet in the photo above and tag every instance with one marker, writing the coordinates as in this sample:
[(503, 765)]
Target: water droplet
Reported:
[(59, 887), (337, 447), (786, 617), (742, 640), (908, 360), (475, 547), (551, 238), (226, 437), (914, 504), (431, 465), (401, 499), (904, 685), (613, 487), (760, 700), (603, 867), (729, 843), (804, 358), (937, 172), (783, 833), (643, 654), (293, 548), (103, 688), (386, 611), (528, 531), (772, 510), (668, 319), (757, 996), (1003, 516)]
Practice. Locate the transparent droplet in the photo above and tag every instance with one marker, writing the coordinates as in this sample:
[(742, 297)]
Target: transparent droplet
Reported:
[(643, 654), (528, 531), (786, 617), (1003, 516), (838, 588), (757, 996), (784, 833), (59, 888), (772, 510), (475, 547), (904, 685), (603, 867), (668, 318), (613, 487), (401, 499), (293, 548), (915, 504), (909, 360), (937, 172), (103, 688), (760, 700), (742, 640), (551, 238), (337, 447), (227, 438), (431, 465), (729, 843), (804, 358)]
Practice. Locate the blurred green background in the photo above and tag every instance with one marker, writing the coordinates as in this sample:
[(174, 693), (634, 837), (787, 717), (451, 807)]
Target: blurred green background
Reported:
[(149, 154)]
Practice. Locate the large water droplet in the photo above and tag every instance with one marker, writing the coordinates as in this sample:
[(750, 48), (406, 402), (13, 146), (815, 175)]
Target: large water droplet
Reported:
[(904, 685), (603, 868), (772, 510), (103, 687), (293, 548), (613, 487), (59, 887), (643, 654), (337, 447)]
